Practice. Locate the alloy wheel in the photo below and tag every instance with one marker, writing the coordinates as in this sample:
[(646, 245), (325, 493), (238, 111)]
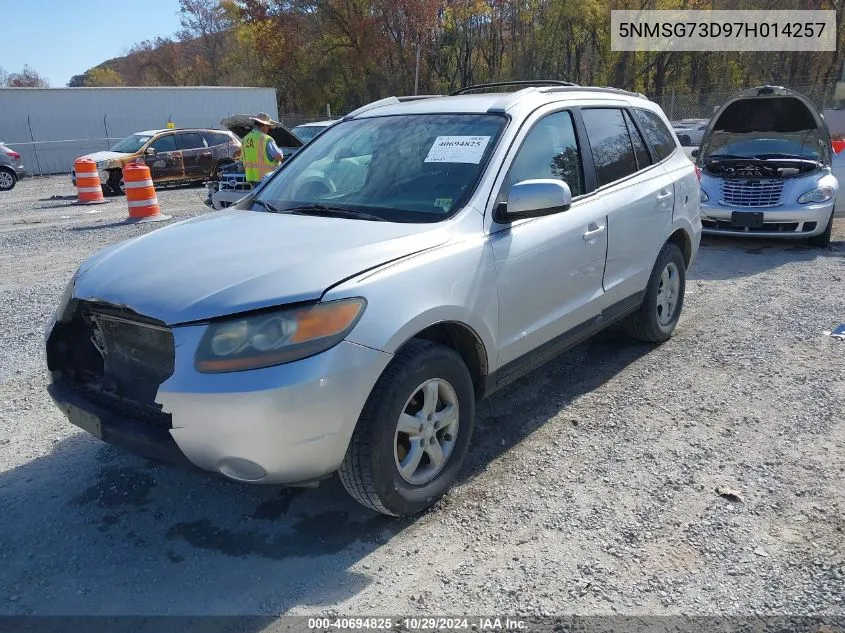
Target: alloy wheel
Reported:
[(668, 293), (426, 432)]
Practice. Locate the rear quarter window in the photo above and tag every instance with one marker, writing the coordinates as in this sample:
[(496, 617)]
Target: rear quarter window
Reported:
[(613, 153), (661, 138)]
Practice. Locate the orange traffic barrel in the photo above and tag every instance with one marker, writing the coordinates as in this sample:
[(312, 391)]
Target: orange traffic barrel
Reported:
[(141, 194), (88, 188)]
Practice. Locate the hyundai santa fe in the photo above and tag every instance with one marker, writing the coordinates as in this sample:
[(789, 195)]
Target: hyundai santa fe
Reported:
[(413, 258)]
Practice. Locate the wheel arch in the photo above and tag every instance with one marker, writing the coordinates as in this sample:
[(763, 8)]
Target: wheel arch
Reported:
[(681, 238), (465, 341)]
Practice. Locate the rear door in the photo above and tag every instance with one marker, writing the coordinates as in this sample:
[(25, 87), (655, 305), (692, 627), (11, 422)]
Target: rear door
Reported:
[(636, 194), (196, 155), (166, 163)]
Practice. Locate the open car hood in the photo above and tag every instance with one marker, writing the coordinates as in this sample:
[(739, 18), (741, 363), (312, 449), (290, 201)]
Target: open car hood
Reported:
[(768, 113), (241, 125)]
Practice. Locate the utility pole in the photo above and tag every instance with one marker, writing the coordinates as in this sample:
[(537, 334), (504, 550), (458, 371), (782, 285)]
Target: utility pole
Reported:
[(417, 72)]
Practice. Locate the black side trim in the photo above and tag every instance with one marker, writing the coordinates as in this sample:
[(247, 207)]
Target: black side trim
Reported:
[(551, 349), (148, 441)]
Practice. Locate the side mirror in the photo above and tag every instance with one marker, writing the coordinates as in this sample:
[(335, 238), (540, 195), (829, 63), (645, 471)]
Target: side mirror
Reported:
[(694, 153), (533, 199), (150, 151)]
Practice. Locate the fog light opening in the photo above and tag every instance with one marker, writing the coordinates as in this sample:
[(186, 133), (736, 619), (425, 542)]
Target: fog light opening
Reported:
[(241, 469)]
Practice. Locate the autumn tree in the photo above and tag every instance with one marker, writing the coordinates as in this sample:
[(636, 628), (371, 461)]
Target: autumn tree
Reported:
[(27, 78)]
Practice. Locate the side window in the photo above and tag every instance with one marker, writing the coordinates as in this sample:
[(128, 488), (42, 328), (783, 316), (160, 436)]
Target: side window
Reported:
[(191, 140), (660, 137), (640, 150), (549, 151), (215, 138), (613, 153), (165, 143)]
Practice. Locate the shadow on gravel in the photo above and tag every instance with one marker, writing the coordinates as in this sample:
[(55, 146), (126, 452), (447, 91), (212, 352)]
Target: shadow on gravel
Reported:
[(511, 415), (721, 258), (90, 529)]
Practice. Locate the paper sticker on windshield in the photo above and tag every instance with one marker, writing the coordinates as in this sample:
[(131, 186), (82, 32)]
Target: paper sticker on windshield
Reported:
[(443, 203), (457, 149)]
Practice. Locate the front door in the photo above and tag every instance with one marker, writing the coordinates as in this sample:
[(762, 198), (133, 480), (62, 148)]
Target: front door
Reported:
[(166, 162), (196, 155), (549, 269)]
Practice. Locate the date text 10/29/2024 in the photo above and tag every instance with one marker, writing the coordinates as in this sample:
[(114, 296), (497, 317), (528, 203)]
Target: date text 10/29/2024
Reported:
[(418, 624)]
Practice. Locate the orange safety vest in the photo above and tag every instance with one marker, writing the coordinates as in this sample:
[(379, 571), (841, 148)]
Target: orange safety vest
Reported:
[(256, 163)]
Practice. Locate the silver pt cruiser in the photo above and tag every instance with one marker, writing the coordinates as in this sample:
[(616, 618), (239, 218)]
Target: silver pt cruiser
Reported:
[(766, 161), (349, 313)]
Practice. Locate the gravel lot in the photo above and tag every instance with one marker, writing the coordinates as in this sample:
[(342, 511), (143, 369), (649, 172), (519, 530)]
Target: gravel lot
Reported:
[(590, 488)]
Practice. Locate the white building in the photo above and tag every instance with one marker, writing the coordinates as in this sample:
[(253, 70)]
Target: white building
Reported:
[(51, 127)]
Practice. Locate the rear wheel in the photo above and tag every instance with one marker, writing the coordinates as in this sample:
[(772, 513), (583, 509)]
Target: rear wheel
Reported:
[(413, 433), (664, 298), (116, 184), (823, 239), (8, 178)]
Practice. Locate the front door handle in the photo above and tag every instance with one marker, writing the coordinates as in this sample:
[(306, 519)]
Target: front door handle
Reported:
[(664, 194), (593, 231)]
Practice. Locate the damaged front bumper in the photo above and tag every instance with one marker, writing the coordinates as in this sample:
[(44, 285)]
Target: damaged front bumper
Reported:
[(287, 424)]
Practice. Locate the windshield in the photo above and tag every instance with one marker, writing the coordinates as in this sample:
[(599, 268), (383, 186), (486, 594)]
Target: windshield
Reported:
[(778, 127), (131, 144), (806, 147), (408, 168), (306, 132)]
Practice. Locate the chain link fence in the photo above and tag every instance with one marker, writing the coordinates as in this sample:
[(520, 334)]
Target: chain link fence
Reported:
[(681, 104)]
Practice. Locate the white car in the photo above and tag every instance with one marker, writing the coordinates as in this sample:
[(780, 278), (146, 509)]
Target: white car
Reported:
[(350, 311)]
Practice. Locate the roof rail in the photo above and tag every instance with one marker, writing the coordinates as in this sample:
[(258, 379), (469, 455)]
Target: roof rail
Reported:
[(609, 89), (524, 84), (387, 101)]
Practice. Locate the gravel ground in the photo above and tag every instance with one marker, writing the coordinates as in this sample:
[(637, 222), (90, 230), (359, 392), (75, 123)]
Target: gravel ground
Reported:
[(590, 487)]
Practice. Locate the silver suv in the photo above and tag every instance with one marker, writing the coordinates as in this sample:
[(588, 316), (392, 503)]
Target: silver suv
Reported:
[(349, 313)]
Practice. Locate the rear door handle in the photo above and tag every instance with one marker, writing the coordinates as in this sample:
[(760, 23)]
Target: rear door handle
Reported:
[(593, 231)]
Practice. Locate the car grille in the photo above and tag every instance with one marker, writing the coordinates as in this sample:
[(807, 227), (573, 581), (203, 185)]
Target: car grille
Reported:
[(768, 227), (117, 360), (142, 350), (752, 193)]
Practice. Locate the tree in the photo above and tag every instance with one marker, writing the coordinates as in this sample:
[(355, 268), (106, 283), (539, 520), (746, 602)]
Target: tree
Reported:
[(27, 78), (97, 77)]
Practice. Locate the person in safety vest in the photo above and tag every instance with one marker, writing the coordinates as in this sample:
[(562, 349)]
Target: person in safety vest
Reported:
[(261, 155)]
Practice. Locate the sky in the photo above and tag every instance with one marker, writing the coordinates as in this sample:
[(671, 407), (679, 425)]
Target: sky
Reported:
[(61, 38)]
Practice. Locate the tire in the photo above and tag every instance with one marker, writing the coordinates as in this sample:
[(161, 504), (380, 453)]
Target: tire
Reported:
[(215, 174), (370, 470), (115, 183), (8, 179), (656, 318), (823, 239)]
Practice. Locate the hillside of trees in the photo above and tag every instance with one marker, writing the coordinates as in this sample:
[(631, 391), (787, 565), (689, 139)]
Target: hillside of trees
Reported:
[(348, 52)]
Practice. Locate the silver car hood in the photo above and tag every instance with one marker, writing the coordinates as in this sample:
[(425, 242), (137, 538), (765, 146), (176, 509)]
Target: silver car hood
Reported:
[(234, 261)]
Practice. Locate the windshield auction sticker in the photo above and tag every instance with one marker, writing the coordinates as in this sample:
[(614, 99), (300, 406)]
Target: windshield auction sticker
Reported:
[(722, 30), (457, 149)]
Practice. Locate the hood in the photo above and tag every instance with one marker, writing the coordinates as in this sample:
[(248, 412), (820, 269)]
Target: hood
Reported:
[(235, 261), (241, 125), (106, 155), (767, 120)]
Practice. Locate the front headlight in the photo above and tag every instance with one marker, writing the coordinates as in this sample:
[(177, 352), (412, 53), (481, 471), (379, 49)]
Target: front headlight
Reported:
[(819, 194), (274, 338), (703, 196), (101, 164)]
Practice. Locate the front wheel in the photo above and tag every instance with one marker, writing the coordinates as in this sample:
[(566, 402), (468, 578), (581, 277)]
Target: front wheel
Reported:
[(8, 178), (664, 298), (116, 184), (413, 433), (823, 239)]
